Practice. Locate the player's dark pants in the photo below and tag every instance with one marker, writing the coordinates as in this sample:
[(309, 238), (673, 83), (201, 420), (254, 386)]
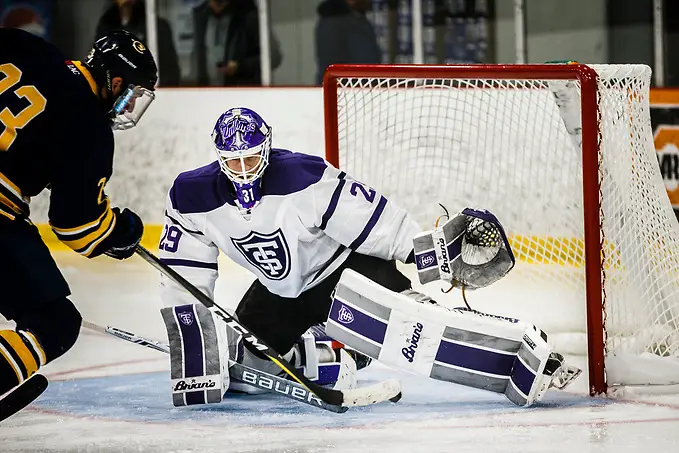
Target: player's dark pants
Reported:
[(279, 321), (33, 293)]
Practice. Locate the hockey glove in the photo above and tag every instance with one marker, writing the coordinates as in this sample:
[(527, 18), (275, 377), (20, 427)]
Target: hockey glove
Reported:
[(125, 235), (470, 249)]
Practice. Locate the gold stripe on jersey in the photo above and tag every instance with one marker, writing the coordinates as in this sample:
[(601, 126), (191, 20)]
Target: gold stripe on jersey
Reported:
[(17, 344), (35, 345), (88, 76), (9, 203), (82, 228), (85, 238), (4, 180), (6, 214), (87, 252), (4, 352), (11, 196)]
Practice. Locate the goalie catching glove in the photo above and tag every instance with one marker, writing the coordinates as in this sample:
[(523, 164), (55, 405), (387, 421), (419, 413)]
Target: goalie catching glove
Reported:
[(469, 249)]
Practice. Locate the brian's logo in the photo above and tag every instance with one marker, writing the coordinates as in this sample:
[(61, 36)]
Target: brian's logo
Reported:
[(409, 351), (443, 250), (269, 253), (186, 317), (345, 316), (426, 260), (183, 386)]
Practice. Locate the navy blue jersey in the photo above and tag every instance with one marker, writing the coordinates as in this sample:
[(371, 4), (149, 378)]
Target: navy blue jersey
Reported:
[(53, 134)]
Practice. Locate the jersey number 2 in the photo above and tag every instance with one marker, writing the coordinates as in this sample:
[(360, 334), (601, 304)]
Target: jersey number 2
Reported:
[(36, 104), (368, 193)]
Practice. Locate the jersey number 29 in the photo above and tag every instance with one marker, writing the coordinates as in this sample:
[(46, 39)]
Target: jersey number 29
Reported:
[(36, 105)]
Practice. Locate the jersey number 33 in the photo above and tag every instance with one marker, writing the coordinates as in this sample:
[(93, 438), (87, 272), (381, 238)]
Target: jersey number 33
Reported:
[(11, 77)]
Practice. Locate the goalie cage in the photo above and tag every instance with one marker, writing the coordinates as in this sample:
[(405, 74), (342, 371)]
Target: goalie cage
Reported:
[(563, 155)]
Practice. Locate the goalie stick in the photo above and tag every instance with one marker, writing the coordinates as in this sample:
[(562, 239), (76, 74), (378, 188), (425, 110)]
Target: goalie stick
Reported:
[(252, 376), (22, 396), (383, 391)]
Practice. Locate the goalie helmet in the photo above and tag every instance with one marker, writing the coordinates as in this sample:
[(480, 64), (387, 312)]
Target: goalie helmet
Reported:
[(242, 140), (121, 54)]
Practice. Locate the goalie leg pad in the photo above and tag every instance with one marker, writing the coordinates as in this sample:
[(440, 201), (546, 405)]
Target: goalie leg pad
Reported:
[(527, 380), (199, 355), (489, 352)]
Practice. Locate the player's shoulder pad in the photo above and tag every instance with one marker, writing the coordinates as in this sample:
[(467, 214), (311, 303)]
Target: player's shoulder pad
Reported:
[(201, 190), (23, 42), (290, 172)]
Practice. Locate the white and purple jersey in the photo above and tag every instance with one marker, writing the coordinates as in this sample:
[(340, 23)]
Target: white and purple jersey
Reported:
[(310, 217)]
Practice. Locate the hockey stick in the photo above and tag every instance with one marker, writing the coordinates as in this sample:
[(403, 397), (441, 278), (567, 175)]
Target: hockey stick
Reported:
[(383, 391), (237, 371), (22, 396)]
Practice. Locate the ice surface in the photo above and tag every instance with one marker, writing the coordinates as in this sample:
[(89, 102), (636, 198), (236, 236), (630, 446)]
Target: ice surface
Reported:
[(110, 396)]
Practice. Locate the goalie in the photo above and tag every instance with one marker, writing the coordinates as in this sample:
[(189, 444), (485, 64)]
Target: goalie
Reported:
[(323, 248)]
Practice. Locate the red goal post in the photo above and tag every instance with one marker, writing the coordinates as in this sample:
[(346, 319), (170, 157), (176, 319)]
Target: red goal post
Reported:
[(369, 77)]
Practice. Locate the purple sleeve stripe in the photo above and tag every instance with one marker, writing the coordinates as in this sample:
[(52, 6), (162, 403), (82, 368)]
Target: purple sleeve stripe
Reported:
[(333, 201), (183, 228), (370, 225), (188, 263)]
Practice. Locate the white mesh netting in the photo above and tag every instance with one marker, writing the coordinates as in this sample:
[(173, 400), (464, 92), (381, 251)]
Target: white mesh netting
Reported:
[(503, 145)]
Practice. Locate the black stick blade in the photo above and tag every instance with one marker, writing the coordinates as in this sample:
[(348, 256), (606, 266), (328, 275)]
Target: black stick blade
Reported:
[(22, 396)]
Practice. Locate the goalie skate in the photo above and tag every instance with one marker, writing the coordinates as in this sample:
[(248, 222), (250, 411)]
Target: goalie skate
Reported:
[(562, 374)]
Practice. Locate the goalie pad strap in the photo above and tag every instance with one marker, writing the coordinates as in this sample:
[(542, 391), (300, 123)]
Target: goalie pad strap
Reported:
[(195, 367)]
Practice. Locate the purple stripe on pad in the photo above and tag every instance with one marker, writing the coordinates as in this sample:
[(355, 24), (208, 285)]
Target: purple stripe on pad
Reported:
[(522, 377), (358, 322), (475, 359), (328, 373), (188, 263), (455, 248), (192, 345), (370, 225)]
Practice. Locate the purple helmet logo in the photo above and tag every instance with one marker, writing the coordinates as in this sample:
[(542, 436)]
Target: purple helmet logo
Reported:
[(228, 129)]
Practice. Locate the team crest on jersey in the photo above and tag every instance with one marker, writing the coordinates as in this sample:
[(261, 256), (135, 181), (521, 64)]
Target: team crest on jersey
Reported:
[(267, 252)]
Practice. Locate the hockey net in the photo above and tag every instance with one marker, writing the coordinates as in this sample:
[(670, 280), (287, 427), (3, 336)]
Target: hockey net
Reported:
[(564, 156)]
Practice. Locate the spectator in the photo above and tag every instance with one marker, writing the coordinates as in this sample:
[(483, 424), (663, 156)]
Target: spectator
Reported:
[(345, 35), (226, 44), (130, 15)]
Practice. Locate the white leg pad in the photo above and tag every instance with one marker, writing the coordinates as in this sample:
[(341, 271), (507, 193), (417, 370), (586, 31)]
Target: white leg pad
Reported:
[(199, 354), (527, 381), (499, 354)]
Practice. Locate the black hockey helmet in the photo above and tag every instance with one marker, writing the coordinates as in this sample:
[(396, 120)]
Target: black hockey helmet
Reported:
[(121, 54)]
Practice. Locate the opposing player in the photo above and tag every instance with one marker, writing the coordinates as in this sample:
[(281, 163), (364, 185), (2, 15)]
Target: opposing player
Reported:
[(302, 227), (56, 121)]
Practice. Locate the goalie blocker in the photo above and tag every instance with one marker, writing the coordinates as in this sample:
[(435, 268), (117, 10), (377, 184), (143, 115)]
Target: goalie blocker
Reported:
[(494, 353)]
